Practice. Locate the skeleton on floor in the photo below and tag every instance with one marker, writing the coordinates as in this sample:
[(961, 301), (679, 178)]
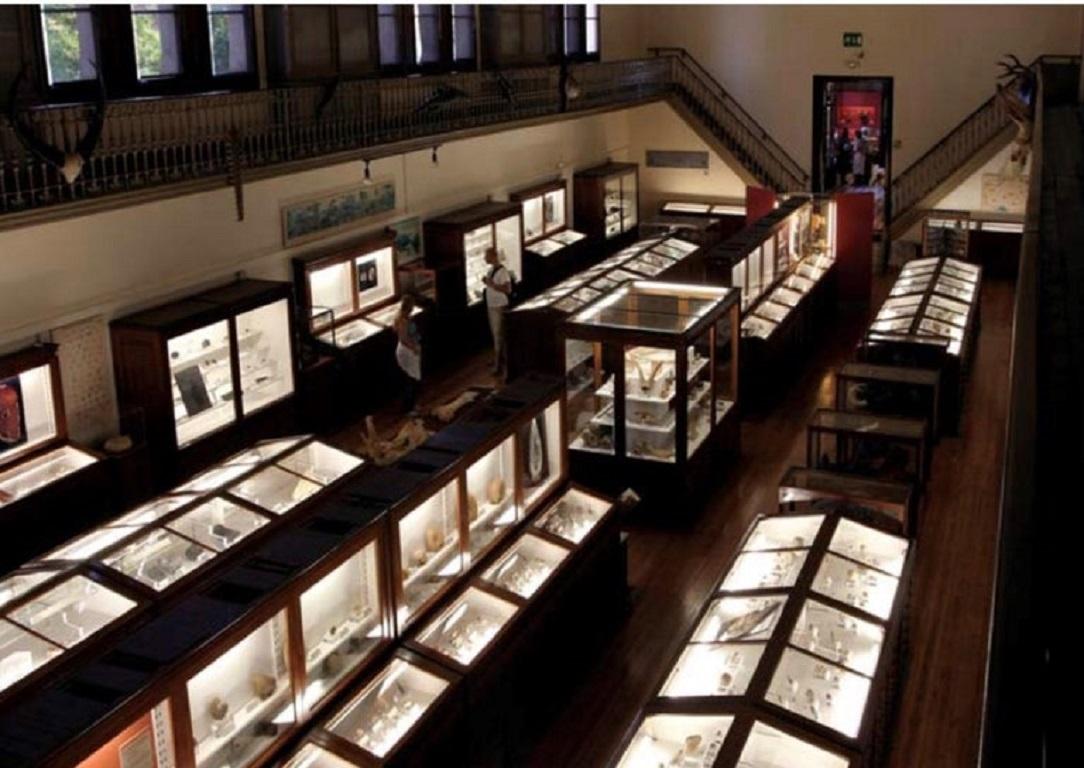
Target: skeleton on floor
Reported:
[(412, 434)]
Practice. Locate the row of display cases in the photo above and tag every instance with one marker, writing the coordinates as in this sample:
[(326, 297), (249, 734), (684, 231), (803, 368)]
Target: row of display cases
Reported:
[(531, 327), (793, 659), (652, 386), (930, 320), (252, 648), (991, 239), (58, 601)]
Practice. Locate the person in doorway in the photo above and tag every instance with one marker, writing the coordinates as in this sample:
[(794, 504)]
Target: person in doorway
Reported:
[(498, 283), (845, 154), (858, 159), (408, 352)]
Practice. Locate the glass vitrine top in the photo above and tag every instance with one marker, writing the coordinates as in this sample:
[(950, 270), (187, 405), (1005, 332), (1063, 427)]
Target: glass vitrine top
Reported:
[(654, 306)]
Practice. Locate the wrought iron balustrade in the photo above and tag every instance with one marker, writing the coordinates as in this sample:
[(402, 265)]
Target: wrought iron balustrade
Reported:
[(146, 144)]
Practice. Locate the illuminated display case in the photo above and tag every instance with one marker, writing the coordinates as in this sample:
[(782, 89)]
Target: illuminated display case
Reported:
[(456, 243), (728, 213), (340, 293), (796, 649), (993, 237), (607, 202), (208, 372), (39, 469), (551, 248), (891, 390), (531, 326), (946, 233), (930, 320), (657, 406)]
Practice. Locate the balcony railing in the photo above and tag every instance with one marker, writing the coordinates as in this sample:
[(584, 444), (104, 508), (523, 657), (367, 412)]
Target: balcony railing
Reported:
[(199, 141)]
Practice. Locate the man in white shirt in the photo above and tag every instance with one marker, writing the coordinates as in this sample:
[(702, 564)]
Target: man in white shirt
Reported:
[(498, 283)]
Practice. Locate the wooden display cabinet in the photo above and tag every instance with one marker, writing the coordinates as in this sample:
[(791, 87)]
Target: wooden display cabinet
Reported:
[(890, 390), (881, 503), (50, 489), (209, 373), (653, 389), (730, 213), (551, 248), (607, 203), (883, 447)]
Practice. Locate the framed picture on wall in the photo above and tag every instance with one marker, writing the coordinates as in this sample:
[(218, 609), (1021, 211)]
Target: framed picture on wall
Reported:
[(12, 414), (408, 241), (329, 213)]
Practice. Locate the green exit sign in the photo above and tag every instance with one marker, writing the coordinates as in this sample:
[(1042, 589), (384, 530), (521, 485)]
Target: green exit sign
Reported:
[(852, 39)]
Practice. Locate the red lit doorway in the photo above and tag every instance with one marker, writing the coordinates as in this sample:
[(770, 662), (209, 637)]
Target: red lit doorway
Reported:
[(852, 138)]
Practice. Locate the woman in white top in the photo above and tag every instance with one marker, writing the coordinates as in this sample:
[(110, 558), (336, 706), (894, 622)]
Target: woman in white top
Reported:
[(498, 283)]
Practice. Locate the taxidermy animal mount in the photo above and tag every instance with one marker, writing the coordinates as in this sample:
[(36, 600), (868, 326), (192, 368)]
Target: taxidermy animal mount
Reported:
[(1016, 91), (442, 94), (69, 164)]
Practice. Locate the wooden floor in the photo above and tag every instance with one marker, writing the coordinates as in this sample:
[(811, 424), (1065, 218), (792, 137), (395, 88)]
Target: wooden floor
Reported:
[(671, 571)]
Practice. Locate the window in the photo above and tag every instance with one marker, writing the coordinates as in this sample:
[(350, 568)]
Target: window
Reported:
[(581, 31), (228, 26), (68, 37), (155, 34), (427, 34), (463, 32), (391, 49)]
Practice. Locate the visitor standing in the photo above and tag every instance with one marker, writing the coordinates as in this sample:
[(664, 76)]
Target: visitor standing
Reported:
[(408, 352), (498, 283)]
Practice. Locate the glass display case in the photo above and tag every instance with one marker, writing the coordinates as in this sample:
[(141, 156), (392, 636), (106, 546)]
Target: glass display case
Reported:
[(545, 210), (887, 504), (71, 611), (241, 701), (342, 621), (662, 376), (606, 200), (22, 652), (492, 507), (312, 756), (883, 447), (687, 740), (158, 559), (200, 365), (891, 390), (946, 233), (396, 701), (526, 565), (37, 463), (768, 747), (456, 244), (339, 291), (430, 553), (573, 516), (466, 628)]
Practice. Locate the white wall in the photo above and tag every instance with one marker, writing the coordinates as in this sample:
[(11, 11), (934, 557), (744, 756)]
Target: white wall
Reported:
[(967, 196), (942, 58)]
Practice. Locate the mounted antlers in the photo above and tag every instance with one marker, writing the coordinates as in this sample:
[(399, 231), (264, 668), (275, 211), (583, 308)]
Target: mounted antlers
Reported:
[(1017, 93), (69, 164)]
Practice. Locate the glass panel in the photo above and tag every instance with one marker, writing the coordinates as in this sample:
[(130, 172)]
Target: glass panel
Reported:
[(541, 456), (21, 653), (426, 34), (770, 748), (533, 223), (698, 408), (612, 204), (321, 463), (275, 490), (27, 413), (200, 363), (154, 510), (864, 588), (218, 524), (463, 32), (31, 475), (768, 262), (265, 355), (93, 543), (689, 741), (553, 210), (713, 669), (838, 637), (340, 622), (468, 626), (72, 611), (388, 31), (573, 516), (429, 548), (389, 706), (510, 245), (475, 244), (526, 566), (783, 533), (18, 584), (329, 288), (756, 283), (158, 559), (312, 756), (869, 546), (240, 702), (764, 570), (350, 333), (70, 50), (739, 618), (229, 39), (586, 370), (819, 691), (630, 214), (157, 47)]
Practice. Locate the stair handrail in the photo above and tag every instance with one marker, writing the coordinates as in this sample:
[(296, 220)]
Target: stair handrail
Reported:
[(779, 153)]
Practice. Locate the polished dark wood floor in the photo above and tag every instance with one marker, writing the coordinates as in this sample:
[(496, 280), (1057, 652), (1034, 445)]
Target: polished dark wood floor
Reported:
[(671, 571)]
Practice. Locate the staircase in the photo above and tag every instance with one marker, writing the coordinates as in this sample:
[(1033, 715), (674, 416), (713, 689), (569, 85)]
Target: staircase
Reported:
[(726, 126), (961, 152)]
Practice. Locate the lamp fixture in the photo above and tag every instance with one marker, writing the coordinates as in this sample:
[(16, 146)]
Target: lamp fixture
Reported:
[(368, 178), (436, 160)]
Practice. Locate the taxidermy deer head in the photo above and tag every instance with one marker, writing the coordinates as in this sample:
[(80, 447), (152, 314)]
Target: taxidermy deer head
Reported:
[(1016, 90), (69, 164)]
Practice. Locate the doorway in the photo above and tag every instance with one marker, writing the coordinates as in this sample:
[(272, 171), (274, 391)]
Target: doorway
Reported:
[(852, 139)]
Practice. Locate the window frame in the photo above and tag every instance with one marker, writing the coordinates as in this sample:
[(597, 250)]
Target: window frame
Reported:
[(446, 61), (582, 55)]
